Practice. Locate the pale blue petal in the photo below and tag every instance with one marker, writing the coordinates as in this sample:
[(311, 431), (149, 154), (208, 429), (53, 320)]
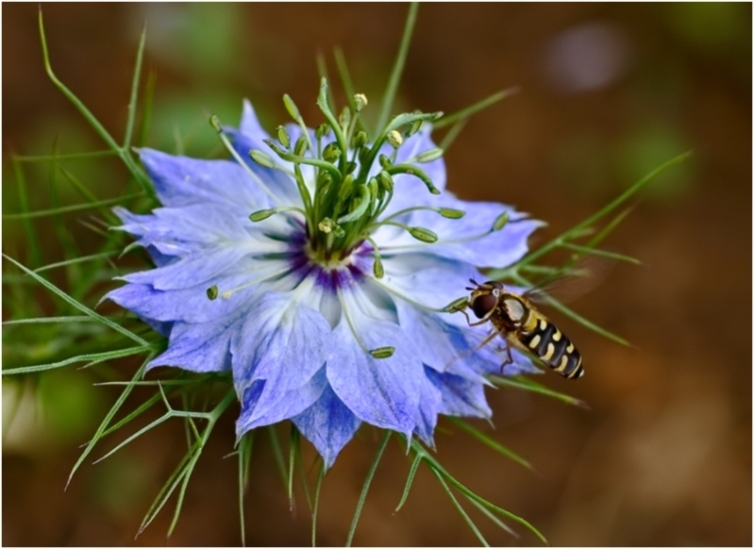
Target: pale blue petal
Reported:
[(192, 304), (383, 392), (442, 346), (328, 424), (202, 347), (190, 271), (430, 404), (181, 181), (429, 280), (257, 409), (460, 397), (179, 231), (250, 137), (466, 239), (281, 341)]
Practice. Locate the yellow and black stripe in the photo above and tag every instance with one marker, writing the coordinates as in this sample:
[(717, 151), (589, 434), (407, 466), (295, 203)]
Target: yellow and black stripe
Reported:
[(547, 342)]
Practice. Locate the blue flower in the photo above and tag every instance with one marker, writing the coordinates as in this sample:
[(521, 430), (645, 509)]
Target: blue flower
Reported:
[(319, 274)]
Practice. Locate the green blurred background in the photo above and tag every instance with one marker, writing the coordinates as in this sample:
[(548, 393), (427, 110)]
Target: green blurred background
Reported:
[(608, 93)]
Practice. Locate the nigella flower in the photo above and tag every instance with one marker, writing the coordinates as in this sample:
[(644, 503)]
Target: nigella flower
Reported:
[(318, 269)]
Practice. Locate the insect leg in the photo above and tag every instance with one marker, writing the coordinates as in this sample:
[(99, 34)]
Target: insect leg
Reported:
[(470, 352), (509, 359)]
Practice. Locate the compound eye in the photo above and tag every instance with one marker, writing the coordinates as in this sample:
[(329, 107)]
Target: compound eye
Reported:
[(483, 304)]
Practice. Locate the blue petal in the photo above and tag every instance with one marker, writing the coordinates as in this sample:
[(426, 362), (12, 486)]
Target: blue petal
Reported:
[(251, 137), (181, 181), (328, 424), (202, 347), (428, 279), (467, 239), (281, 341), (497, 249), (179, 231), (460, 397), (191, 304), (256, 410), (430, 404), (442, 346), (190, 271), (384, 392)]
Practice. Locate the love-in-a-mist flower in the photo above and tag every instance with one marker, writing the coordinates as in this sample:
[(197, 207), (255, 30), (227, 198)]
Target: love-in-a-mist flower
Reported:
[(318, 267)]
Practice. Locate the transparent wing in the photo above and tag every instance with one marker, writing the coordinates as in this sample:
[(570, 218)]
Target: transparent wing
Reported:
[(572, 282)]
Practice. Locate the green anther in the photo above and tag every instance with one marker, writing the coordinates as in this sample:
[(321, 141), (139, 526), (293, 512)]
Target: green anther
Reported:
[(301, 145), (385, 162), (215, 123), (331, 153), (362, 204), (360, 101), (374, 188), (283, 137), (414, 128), (458, 305), (291, 107), (377, 268), (360, 139), (450, 213), (425, 235), (345, 118), (395, 139), (322, 131), (261, 215), (382, 352), (324, 178), (262, 158), (345, 188), (500, 222), (429, 156), (386, 181), (212, 293)]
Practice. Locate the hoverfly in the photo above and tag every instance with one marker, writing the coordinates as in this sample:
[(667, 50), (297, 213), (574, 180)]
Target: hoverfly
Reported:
[(515, 318)]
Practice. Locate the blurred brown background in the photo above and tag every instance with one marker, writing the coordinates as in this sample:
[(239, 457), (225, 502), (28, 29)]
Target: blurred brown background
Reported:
[(608, 93)]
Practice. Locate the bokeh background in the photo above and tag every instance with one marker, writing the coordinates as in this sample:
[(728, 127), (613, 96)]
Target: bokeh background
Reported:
[(608, 92)]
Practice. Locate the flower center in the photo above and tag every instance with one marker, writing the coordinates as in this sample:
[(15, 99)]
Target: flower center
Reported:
[(352, 182)]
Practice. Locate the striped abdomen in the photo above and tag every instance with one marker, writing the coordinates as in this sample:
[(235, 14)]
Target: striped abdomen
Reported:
[(547, 342)]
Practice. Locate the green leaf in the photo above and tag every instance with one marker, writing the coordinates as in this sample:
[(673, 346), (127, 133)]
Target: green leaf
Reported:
[(92, 358), (73, 208), (460, 509), (107, 419), (125, 154), (130, 120), (78, 305), (526, 384), (365, 488), (467, 112), (400, 61), (316, 504), (409, 481), (488, 441)]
